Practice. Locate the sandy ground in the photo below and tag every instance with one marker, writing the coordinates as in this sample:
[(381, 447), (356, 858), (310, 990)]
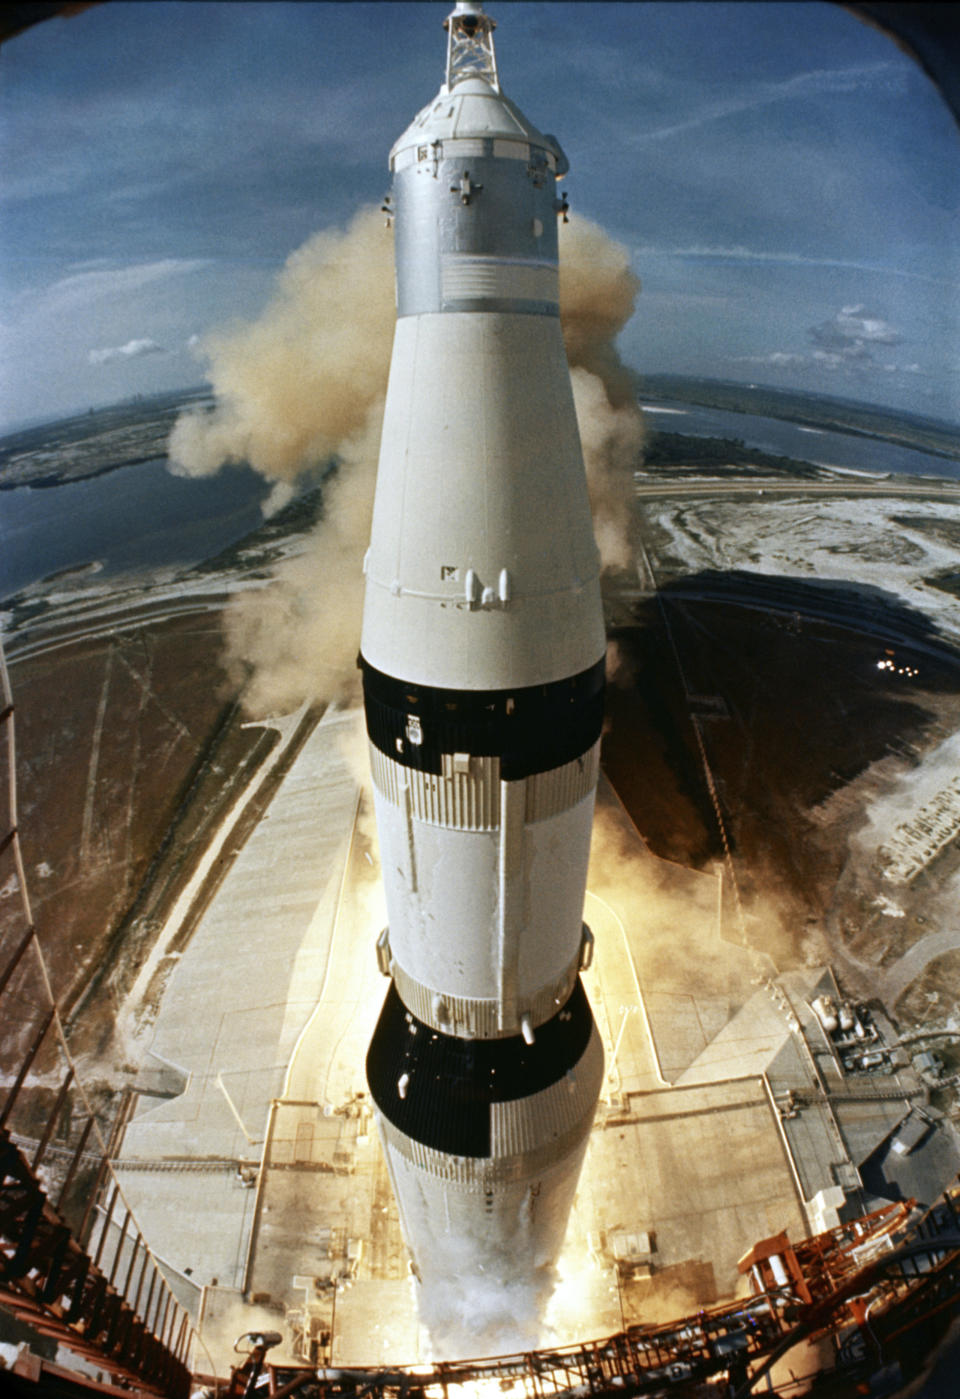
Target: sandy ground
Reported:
[(892, 545), (889, 551)]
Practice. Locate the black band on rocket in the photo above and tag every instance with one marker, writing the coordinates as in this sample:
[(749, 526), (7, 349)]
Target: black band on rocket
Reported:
[(531, 729), (438, 1089)]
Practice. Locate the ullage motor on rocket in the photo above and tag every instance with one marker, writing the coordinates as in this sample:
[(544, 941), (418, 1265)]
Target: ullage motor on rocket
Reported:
[(482, 654)]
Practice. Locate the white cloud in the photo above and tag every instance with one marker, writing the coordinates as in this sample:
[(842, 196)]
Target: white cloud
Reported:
[(783, 357), (851, 334), (855, 358), (857, 321), (818, 83), (785, 258), (80, 290), (780, 359), (133, 349), (829, 359), (902, 368)]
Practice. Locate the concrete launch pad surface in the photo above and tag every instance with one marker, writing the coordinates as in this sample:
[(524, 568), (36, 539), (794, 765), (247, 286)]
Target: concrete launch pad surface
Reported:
[(376, 1318), (261, 1185), (700, 1171), (691, 1165), (242, 995), (252, 973)]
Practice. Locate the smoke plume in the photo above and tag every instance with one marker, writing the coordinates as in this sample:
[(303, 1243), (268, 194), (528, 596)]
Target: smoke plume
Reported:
[(467, 1314), (298, 387), (298, 639), (303, 385), (612, 439), (598, 294), (294, 384)]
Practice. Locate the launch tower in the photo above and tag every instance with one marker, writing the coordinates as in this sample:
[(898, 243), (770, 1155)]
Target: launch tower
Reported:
[(483, 661)]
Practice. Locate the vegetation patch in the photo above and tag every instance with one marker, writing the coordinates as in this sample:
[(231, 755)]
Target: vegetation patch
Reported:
[(947, 581), (676, 451), (935, 527)]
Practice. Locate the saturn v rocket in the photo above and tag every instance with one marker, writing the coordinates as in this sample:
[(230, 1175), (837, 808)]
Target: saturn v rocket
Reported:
[(482, 656)]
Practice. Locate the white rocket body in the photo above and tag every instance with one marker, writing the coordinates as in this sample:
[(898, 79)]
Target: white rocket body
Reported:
[(482, 654)]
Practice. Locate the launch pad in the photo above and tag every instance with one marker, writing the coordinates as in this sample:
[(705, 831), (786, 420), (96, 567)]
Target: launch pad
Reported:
[(700, 1147), (683, 1006), (734, 1104), (261, 1184)]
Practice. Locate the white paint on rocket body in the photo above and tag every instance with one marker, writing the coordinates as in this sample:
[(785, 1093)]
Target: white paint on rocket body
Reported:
[(481, 471), (482, 648), (437, 879)]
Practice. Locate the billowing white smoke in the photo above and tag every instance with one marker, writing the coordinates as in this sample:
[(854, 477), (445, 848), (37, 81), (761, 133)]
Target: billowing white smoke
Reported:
[(598, 293), (612, 439), (294, 384), (298, 639), (468, 1315), (299, 386), (304, 383)]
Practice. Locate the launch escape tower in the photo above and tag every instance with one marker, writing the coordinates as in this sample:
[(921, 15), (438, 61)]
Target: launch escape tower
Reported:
[(483, 660)]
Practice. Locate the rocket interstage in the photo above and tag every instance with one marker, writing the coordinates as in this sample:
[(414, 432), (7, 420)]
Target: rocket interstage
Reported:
[(482, 654)]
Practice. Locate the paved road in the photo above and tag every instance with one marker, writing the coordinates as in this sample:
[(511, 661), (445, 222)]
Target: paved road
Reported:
[(898, 486), (913, 962), (109, 620)]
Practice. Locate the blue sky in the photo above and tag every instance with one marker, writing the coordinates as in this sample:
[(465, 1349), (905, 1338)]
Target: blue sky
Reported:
[(786, 180)]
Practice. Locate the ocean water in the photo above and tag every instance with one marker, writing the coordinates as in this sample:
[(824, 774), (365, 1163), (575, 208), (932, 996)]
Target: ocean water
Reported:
[(775, 435), (142, 516), (137, 516)]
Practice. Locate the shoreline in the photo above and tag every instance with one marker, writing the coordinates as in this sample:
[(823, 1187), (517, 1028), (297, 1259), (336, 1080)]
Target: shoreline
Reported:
[(829, 422), (50, 482)]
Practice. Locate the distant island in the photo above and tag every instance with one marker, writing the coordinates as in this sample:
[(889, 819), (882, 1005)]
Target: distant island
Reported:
[(931, 435), (106, 439), (675, 453), (93, 443)]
